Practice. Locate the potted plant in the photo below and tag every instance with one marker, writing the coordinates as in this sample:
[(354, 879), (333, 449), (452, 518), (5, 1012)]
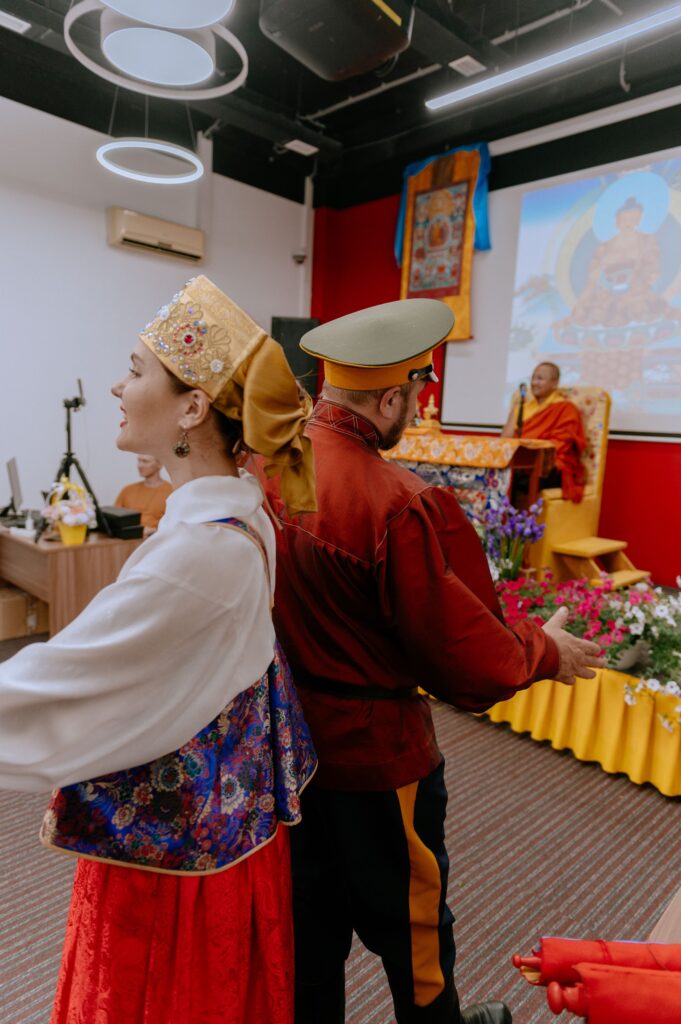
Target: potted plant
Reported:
[(506, 534), (638, 628)]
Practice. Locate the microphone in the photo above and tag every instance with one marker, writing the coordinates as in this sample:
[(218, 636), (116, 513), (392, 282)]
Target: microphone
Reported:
[(522, 391)]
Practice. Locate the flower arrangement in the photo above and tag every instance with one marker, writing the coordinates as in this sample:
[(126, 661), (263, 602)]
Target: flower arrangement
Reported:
[(506, 533), (642, 620), (70, 504)]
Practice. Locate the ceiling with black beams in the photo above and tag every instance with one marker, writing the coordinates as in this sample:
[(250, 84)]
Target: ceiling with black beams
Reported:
[(367, 128)]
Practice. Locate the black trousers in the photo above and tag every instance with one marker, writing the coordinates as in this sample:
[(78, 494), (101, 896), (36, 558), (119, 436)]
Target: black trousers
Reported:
[(374, 863)]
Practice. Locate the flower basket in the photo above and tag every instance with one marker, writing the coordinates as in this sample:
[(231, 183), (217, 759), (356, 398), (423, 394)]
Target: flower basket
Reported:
[(71, 509), (72, 534)]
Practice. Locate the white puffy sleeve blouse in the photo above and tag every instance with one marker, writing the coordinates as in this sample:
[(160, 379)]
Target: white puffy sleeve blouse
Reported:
[(155, 656)]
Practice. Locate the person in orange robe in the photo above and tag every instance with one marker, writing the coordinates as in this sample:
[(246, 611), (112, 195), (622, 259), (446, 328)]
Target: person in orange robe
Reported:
[(148, 496), (551, 416)]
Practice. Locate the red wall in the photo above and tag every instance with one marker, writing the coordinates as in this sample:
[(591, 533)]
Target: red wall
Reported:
[(354, 266)]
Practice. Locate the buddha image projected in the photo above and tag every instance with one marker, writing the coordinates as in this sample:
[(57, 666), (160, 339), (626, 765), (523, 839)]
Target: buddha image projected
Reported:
[(598, 290)]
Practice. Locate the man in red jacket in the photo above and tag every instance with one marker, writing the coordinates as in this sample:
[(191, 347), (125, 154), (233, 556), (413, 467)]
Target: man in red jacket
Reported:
[(384, 588)]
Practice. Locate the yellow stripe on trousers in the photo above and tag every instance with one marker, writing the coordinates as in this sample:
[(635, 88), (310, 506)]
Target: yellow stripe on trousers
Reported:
[(425, 887)]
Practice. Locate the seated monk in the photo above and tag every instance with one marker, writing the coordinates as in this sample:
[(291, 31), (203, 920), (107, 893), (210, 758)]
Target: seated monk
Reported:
[(550, 416), (148, 497)]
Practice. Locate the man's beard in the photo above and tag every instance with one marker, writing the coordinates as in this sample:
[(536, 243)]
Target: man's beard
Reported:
[(390, 439)]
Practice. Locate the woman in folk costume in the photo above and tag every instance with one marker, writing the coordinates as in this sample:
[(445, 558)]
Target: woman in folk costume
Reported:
[(165, 712)]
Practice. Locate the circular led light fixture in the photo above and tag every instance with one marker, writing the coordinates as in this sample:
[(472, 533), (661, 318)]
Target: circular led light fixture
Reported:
[(157, 147), (176, 14), (170, 92), (155, 54)]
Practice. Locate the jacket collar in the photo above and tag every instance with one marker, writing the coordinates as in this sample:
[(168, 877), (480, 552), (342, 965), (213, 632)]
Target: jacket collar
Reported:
[(345, 421)]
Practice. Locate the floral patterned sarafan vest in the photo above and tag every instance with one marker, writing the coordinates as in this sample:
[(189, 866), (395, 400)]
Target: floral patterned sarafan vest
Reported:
[(207, 805)]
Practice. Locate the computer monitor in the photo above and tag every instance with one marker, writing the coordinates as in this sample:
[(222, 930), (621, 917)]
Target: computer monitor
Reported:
[(14, 486)]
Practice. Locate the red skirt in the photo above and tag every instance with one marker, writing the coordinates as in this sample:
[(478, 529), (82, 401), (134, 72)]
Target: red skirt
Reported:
[(143, 947)]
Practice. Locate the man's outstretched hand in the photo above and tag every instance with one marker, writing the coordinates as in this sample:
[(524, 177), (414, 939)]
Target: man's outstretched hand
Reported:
[(577, 657)]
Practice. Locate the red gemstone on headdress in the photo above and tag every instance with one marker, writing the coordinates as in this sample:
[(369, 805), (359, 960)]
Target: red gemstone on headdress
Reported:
[(189, 339)]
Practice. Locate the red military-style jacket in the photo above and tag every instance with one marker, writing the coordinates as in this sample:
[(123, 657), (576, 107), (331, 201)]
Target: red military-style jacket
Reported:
[(387, 586)]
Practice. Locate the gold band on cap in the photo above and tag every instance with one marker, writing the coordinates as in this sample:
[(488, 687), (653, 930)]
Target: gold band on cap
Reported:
[(370, 378)]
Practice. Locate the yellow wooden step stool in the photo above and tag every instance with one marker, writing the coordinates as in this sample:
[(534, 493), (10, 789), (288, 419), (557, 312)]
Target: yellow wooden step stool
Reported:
[(580, 557)]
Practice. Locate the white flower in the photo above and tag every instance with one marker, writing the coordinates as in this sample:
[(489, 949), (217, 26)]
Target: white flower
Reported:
[(636, 628), (654, 685), (666, 723), (672, 689)]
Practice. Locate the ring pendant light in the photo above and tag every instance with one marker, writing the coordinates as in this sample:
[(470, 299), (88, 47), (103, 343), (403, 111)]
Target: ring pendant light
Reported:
[(153, 146), (79, 10), (155, 54), (180, 14)]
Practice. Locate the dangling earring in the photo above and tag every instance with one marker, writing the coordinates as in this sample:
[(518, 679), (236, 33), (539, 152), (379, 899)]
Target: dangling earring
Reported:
[(181, 447)]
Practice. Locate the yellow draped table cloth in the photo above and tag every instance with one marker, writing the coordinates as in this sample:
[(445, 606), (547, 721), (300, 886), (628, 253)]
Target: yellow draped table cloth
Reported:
[(593, 720)]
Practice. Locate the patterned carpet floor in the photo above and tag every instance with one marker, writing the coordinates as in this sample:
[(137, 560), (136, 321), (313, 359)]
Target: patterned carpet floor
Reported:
[(539, 844)]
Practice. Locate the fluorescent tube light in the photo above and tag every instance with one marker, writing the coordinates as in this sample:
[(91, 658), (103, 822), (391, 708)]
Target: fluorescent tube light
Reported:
[(663, 19), (15, 24)]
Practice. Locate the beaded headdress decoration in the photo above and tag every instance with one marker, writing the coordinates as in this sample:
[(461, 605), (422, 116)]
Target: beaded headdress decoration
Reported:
[(202, 336)]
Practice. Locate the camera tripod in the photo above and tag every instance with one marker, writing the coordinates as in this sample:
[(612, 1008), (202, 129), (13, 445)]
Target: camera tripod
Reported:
[(70, 459)]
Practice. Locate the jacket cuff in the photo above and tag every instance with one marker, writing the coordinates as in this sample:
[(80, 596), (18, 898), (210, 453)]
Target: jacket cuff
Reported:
[(550, 660)]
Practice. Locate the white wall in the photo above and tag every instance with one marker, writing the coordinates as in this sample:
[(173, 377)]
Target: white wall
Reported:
[(72, 305)]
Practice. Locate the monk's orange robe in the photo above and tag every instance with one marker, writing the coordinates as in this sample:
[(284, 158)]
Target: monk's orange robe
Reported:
[(560, 421)]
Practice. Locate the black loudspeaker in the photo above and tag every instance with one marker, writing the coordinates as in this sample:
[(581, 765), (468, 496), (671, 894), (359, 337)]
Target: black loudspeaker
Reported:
[(123, 522), (288, 330), (338, 38)]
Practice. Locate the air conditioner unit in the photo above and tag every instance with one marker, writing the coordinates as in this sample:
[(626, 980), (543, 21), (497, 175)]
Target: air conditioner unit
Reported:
[(138, 231)]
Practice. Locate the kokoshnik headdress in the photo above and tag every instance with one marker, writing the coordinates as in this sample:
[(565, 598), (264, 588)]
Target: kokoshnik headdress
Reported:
[(208, 342)]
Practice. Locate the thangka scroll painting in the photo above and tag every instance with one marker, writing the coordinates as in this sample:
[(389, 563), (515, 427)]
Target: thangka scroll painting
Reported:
[(439, 233)]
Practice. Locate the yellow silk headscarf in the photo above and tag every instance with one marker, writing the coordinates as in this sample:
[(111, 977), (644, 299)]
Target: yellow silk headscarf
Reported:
[(208, 342)]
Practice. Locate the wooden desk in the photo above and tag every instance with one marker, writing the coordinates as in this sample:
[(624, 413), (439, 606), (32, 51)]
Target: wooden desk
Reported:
[(65, 577)]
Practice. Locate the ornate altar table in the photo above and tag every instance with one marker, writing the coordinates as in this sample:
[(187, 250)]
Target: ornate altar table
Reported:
[(593, 720), (477, 467)]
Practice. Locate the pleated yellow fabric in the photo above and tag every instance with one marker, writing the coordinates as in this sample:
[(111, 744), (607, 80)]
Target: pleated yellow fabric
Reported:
[(593, 720)]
